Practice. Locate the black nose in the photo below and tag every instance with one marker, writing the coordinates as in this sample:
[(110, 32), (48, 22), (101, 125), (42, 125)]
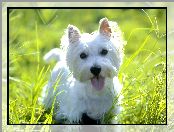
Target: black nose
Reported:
[(95, 70)]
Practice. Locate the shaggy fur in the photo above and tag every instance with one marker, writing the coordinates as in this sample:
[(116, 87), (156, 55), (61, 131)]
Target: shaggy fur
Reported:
[(84, 81)]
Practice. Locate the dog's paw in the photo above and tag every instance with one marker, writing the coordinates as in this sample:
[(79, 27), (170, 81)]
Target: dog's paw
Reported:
[(75, 117)]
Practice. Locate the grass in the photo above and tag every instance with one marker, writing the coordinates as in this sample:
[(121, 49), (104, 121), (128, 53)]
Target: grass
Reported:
[(143, 73)]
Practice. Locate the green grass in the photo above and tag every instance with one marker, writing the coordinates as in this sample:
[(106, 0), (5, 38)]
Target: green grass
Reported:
[(143, 73)]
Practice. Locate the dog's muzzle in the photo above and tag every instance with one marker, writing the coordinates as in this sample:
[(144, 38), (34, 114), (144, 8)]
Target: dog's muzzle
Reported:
[(97, 81)]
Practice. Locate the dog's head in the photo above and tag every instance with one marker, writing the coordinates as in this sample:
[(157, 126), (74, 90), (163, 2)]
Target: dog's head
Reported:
[(95, 57)]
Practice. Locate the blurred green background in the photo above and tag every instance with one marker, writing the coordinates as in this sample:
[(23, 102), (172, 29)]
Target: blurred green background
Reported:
[(33, 32)]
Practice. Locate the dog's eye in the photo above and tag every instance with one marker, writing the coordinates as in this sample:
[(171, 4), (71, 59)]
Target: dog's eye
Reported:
[(83, 55), (104, 52)]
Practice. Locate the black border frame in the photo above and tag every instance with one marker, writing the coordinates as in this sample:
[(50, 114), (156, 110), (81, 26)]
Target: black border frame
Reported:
[(8, 8)]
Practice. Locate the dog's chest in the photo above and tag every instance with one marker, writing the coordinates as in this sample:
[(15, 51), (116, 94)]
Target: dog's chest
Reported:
[(86, 99), (96, 105)]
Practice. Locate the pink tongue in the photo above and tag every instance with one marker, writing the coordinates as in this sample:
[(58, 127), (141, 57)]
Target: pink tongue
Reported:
[(98, 82)]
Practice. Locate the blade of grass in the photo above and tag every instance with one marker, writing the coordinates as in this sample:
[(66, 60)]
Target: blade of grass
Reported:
[(135, 54), (38, 55)]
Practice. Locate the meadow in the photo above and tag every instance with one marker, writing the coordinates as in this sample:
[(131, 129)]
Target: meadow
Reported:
[(33, 32)]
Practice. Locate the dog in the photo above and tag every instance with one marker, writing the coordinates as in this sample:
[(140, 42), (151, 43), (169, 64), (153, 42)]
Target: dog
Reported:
[(84, 82)]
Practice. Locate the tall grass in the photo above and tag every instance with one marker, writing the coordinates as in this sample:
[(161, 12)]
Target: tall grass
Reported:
[(143, 73)]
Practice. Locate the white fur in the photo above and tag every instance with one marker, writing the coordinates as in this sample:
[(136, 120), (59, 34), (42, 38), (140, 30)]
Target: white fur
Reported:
[(74, 93)]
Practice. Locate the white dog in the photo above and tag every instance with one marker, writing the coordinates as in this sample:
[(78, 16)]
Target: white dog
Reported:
[(84, 81)]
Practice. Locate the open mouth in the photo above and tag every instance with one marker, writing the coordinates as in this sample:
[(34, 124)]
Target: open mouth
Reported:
[(98, 82)]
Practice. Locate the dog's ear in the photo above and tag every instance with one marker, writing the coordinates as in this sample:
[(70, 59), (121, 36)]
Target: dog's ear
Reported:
[(73, 34), (104, 27)]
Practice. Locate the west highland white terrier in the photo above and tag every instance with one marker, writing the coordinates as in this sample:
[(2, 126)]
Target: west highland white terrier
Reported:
[(84, 82)]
